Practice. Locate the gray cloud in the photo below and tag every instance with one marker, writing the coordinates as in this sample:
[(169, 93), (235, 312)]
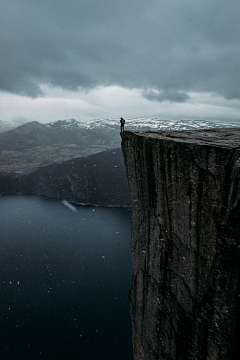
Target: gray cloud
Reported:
[(172, 96), (172, 46)]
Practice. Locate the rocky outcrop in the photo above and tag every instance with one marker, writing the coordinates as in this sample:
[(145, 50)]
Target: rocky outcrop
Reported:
[(185, 196)]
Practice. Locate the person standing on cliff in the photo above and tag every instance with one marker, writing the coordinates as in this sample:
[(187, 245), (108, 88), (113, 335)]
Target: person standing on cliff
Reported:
[(122, 122)]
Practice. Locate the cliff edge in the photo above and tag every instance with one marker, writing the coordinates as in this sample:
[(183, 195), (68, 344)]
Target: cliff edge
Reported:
[(185, 196)]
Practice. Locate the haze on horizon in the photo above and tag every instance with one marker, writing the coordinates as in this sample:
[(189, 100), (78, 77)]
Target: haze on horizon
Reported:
[(87, 59)]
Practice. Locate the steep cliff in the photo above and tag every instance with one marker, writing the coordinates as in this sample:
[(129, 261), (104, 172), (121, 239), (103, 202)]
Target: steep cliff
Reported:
[(185, 196)]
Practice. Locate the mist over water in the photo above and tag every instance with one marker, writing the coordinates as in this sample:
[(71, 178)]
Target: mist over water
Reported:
[(64, 280)]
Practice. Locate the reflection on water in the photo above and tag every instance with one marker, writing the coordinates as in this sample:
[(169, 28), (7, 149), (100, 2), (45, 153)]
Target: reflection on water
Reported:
[(64, 279)]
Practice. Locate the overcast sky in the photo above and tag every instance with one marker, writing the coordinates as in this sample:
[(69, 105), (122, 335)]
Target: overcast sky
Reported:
[(110, 58)]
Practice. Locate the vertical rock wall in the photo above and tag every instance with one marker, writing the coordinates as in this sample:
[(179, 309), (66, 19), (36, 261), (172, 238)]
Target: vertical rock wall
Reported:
[(185, 196)]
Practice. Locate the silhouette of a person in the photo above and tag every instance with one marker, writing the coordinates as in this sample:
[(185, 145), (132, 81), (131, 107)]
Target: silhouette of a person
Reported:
[(122, 122)]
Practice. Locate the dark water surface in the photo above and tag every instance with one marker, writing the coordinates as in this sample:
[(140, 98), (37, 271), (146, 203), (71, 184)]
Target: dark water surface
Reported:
[(64, 280)]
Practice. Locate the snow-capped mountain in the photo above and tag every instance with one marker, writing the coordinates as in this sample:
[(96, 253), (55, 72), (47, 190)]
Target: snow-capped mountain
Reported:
[(139, 124), (70, 124), (143, 123), (96, 133)]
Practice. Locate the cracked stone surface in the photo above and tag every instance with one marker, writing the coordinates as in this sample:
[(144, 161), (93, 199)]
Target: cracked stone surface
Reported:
[(185, 196)]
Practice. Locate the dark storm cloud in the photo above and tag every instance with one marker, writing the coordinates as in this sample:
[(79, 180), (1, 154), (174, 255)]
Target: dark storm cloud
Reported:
[(172, 47), (173, 96)]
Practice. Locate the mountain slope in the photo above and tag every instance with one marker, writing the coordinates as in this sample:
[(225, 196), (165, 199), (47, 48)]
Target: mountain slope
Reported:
[(98, 179)]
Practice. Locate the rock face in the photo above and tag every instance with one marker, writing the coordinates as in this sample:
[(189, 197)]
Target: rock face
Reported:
[(185, 196)]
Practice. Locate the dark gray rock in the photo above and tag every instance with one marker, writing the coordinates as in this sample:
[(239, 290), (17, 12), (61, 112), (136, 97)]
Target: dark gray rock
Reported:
[(185, 196)]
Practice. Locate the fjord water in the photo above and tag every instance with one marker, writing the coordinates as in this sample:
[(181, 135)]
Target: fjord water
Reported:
[(64, 280)]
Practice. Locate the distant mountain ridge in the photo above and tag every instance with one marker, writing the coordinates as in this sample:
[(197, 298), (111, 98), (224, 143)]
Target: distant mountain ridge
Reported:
[(35, 144), (138, 123), (103, 132), (62, 132)]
